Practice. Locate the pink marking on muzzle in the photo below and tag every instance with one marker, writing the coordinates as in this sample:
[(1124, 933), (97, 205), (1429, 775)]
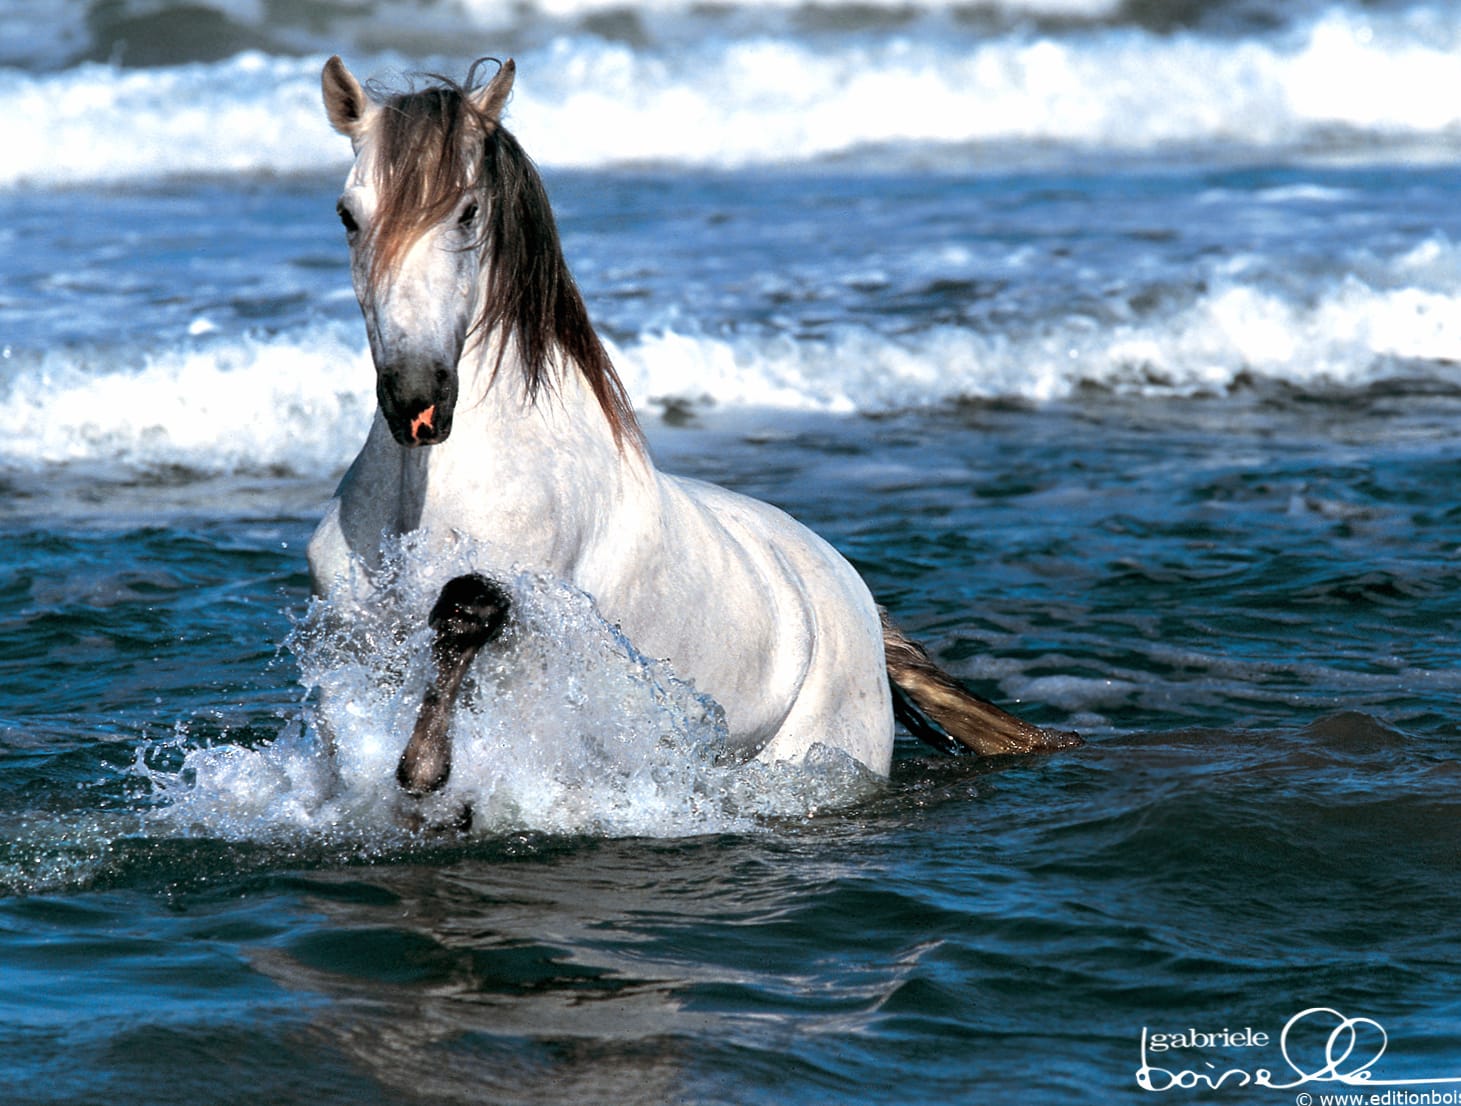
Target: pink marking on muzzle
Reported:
[(423, 422)]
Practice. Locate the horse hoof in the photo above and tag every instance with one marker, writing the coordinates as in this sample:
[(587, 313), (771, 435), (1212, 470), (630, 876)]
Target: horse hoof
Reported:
[(470, 612), (418, 778)]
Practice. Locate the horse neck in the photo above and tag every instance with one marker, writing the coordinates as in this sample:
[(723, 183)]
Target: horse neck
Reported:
[(562, 421), (551, 460), (541, 479)]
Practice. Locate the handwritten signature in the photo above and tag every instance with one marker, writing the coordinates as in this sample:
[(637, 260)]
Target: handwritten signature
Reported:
[(1352, 1047)]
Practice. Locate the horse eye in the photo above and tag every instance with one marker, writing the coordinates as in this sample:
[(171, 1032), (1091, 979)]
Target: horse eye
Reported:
[(346, 219), (468, 216)]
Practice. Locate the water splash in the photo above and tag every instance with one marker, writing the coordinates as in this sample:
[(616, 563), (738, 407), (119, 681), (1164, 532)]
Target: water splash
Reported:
[(563, 728)]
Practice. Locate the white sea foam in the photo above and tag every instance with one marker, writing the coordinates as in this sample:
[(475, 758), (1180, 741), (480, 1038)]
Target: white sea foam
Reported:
[(564, 728), (301, 402), (491, 13), (776, 99), (1348, 78), (1349, 336), (98, 123)]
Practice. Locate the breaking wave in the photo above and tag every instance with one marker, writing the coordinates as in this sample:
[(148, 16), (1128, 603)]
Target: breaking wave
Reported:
[(1341, 79), (301, 402)]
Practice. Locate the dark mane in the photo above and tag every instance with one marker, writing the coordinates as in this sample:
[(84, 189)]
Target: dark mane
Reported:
[(434, 147)]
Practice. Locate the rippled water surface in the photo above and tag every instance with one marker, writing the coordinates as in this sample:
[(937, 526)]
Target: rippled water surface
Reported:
[(1252, 628)]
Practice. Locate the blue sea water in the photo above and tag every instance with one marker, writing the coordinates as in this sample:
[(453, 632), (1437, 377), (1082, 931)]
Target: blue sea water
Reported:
[(1115, 343)]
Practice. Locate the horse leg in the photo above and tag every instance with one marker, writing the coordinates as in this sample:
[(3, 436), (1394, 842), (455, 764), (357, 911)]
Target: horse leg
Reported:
[(470, 612)]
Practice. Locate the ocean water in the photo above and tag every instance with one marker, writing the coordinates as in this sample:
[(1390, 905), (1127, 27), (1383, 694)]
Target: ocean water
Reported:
[(1116, 343)]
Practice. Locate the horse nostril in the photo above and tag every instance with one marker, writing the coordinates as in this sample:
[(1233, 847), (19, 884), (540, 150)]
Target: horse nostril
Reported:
[(424, 422)]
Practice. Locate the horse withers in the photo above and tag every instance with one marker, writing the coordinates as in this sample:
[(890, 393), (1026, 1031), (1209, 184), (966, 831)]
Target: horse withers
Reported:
[(501, 419)]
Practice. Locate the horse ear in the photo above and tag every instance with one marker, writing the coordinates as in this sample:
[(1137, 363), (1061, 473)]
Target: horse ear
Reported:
[(490, 101), (345, 101)]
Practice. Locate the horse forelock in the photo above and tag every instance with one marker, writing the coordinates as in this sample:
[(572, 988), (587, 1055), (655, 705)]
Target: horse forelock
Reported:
[(421, 169), (433, 147)]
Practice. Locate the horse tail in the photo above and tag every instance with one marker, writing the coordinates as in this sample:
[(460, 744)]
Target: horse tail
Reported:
[(937, 710)]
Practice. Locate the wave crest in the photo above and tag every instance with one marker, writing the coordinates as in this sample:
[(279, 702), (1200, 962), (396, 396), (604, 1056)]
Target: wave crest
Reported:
[(1345, 80), (300, 403)]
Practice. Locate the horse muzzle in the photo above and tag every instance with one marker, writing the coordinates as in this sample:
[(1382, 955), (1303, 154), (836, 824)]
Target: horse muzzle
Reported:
[(418, 407)]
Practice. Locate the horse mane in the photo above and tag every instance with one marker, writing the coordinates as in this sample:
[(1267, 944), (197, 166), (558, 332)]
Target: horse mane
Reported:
[(435, 146)]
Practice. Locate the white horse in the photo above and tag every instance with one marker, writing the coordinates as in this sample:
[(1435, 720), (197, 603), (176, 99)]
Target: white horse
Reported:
[(501, 418)]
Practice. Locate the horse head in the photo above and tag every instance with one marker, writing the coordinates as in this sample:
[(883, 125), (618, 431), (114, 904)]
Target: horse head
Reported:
[(415, 212)]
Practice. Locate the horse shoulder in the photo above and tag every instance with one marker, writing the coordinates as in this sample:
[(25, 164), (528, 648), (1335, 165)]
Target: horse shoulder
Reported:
[(328, 552), (364, 507)]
